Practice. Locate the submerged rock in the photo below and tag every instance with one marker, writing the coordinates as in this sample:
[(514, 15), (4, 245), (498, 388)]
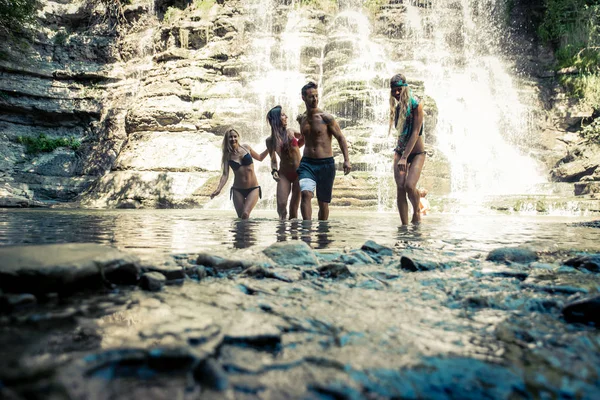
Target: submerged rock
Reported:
[(513, 254), (586, 311), (63, 267), (153, 281), (409, 264), (293, 252), (221, 264), (334, 270), (376, 251), (588, 262)]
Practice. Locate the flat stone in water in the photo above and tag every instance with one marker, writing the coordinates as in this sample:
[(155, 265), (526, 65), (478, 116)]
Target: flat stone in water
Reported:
[(294, 252), (63, 267), (153, 281), (588, 262), (584, 311), (513, 254)]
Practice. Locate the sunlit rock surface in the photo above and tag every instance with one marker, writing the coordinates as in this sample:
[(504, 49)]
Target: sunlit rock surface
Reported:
[(154, 96), (370, 328)]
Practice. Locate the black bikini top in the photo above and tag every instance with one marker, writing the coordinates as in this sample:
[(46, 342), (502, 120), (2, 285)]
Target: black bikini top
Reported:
[(246, 160)]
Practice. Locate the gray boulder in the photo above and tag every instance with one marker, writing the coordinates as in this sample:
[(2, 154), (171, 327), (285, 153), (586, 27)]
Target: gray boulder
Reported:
[(291, 253), (64, 267), (513, 254)]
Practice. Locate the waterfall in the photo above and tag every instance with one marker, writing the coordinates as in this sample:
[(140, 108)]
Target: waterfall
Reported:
[(482, 124), (450, 49)]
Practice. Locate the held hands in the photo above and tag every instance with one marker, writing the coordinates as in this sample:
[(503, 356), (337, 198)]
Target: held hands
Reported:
[(402, 164), (275, 175), (347, 167)]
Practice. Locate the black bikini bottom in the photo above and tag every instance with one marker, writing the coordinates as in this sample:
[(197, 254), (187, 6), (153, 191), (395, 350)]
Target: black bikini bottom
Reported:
[(411, 157), (245, 192)]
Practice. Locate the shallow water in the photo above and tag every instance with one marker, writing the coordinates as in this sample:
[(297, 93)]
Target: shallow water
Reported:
[(466, 328), (186, 231)]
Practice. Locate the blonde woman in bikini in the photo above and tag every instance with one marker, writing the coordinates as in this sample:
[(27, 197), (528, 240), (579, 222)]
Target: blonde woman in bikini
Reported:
[(285, 143), (406, 117), (245, 191)]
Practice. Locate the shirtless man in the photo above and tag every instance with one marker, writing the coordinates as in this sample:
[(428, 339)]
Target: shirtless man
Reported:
[(317, 167)]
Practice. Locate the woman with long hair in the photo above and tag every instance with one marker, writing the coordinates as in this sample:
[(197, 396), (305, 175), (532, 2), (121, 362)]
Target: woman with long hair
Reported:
[(285, 143), (406, 116), (245, 191)]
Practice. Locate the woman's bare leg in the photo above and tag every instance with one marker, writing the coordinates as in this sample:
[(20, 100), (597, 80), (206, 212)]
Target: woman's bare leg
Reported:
[(401, 201), (295, 200), (249, 203), (283, 192), (410, 185), (238, 203)]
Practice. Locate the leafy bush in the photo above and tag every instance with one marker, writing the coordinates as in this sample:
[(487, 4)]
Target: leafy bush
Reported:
[(591, 132), (325, 5), (204, 6), (15, 14), (44, 144), (573, 28)]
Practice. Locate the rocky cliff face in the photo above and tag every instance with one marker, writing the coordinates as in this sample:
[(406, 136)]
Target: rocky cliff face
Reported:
[(149, 94), (149, 102)]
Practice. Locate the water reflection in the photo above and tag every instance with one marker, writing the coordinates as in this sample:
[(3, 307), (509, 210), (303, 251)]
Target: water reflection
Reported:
[(244, 233), (314, 233), (186, 231)]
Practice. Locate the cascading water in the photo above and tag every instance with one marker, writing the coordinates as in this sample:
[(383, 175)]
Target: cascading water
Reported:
[(482, 124)]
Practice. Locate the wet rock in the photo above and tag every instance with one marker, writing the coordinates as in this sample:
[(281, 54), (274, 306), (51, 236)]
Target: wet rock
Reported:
[(257, 272), (171, 272), (376, 251), (588, 262), (211, 375), (586, 311), (334, 271), (152, 281), (326, 256), (513, 254), (291, 253), (125, 275), (357, 257), (260, 272), (220, 264), (504, 274), (561, 289), (336, 391), (196, 272), (62, 267), (12, 302), (411, 265)]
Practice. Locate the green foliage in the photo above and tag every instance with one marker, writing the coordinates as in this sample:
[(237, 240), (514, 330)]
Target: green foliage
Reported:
[(60, 39), (15, 14), (329, 6), (373, 6), (172, 14), (44, 144), (204, 6), (585, 87), (573, 28), (591, 132)]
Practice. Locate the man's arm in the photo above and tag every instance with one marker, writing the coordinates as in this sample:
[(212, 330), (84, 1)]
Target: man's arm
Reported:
[(336, 131)]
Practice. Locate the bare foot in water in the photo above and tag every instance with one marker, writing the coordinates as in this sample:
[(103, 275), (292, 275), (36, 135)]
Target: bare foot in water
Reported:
[(416, 219)]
